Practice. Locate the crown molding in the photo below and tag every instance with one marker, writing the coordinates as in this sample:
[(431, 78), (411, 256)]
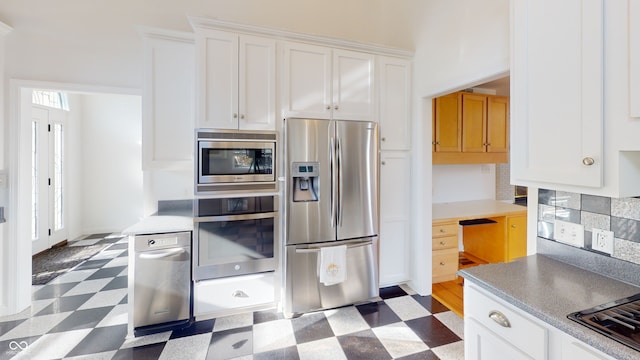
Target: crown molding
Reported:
[(5, 29), (165, 34), (200, 23)]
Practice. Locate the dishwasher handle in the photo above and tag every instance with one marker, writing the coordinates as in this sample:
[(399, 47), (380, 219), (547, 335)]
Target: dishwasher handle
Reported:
[(160, 254)]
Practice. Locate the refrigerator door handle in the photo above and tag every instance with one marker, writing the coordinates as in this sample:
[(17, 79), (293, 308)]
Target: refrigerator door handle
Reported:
[(332, 198), (317, 249), (340, 185)]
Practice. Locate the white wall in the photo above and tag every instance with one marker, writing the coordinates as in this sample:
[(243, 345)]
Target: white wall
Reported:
[(459, 44), (73, 157), (111, 162), (463, 182)]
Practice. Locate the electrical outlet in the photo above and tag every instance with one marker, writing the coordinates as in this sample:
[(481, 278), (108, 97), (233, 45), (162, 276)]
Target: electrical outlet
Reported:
[(569, 233), (602, 240)]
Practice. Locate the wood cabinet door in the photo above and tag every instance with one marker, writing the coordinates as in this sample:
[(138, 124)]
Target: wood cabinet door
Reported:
[(516, 237), (497, 124), (448, 123), (474, 123)]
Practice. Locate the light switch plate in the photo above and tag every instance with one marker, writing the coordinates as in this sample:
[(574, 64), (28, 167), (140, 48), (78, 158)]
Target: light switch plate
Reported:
[(602, 240), (569, 233)]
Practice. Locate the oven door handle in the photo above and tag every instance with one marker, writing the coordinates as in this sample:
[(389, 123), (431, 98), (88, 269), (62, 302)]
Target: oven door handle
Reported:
[(266, 215)]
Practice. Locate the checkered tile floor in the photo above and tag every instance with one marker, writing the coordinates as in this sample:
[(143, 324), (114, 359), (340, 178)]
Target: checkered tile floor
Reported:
[(83, 315)]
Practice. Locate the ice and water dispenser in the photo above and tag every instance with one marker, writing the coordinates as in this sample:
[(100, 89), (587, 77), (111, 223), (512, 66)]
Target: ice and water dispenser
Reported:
[(305, 177)]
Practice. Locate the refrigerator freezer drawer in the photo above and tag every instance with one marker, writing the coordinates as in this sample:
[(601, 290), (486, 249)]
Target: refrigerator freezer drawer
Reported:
[(304, 292)]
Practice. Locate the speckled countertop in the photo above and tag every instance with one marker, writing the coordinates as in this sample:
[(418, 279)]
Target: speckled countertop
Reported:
[(550, 290)]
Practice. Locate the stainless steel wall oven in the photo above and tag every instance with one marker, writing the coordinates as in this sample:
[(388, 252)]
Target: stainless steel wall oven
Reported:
[(235, 236), (233, 161)]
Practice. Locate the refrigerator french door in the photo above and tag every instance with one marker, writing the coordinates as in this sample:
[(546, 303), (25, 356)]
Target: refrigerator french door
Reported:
[(332, 199)]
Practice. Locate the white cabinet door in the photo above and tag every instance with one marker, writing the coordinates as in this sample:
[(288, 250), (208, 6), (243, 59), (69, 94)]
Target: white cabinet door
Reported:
[(482, 344), (352, 85), (325, 83), (307, 81), (257, 83), (394, 79), (573, 348), (634, 58), (395, 226), (168, 101), (557, 92), (236, 81)]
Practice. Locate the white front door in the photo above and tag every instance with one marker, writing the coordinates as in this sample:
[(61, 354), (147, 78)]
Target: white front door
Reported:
[(48, 163)]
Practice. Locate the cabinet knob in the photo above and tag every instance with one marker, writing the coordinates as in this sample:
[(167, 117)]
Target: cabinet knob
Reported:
[(499, 318), (384, 139), (235, 115), (383, 163), (514, 226), (328, 107), (443, 243), (336, 107), (442, 263), (242, 116), (443, 231), (437, 142), (588, 161)]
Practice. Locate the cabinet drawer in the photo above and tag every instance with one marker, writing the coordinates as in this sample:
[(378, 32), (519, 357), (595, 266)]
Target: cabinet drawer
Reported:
[(217, 295), (440, 230), (447, 242), (445, 265), (521, 332)]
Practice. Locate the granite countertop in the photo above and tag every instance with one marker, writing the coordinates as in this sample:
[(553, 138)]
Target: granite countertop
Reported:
[(160, 224), (474, 209), (550, 290)]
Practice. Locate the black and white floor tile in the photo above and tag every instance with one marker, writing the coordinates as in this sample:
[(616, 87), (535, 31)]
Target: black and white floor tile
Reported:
[(83, 315)]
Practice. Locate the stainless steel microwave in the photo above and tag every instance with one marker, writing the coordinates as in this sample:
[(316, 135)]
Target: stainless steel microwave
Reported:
[(235, 160)]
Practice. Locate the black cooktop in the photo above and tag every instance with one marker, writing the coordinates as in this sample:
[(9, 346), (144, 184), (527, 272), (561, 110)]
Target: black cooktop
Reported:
[(618, 320)]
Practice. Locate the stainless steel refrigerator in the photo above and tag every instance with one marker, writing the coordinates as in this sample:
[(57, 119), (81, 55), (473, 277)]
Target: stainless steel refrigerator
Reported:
[(331, 197)]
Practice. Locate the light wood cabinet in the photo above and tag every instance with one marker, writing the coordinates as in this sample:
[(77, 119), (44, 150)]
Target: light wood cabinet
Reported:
[(470, 128), (236, 81), (326, 83), (516, 237), (444, 251), (168, 101)]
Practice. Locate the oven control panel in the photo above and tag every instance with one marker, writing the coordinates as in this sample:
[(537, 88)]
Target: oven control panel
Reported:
[(162, 242)]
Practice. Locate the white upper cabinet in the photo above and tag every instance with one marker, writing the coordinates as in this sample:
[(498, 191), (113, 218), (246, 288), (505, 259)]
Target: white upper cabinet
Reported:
[(571, 126), (168, 100), (236, 81), (325, 83), (394, 79)]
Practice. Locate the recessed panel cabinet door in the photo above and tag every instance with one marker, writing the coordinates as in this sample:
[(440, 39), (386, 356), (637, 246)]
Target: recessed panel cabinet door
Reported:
[(497, 124), (474, 123), (557, 92), (352, 85), (257, 83), (448, 123)]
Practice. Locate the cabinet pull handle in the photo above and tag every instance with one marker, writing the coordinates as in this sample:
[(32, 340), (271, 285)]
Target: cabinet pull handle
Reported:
[(239, 294), (499, 318), (588, 161)]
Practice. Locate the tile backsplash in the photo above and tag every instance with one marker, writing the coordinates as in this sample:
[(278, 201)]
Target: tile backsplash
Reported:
[(622, 216)]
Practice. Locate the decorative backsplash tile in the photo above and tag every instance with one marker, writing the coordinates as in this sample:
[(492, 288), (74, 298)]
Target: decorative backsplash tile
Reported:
[(622, 216)]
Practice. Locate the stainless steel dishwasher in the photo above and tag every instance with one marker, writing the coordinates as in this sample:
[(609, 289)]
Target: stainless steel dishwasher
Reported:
[(162, 282)]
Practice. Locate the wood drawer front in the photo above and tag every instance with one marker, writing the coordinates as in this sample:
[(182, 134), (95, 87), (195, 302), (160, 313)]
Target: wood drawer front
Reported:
[(445, 262), (523, 333), (444, 230), (447, 242), (233, 292)]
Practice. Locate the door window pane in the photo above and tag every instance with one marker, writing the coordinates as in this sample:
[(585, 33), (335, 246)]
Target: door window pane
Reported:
[(58, 159), (34, 180)]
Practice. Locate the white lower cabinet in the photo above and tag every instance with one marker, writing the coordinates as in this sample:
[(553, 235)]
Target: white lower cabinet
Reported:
[(395, 203), (233, 294), (494, 329)]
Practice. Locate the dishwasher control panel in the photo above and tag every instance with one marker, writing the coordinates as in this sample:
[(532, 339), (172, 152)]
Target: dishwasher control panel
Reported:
[(162, 242)]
